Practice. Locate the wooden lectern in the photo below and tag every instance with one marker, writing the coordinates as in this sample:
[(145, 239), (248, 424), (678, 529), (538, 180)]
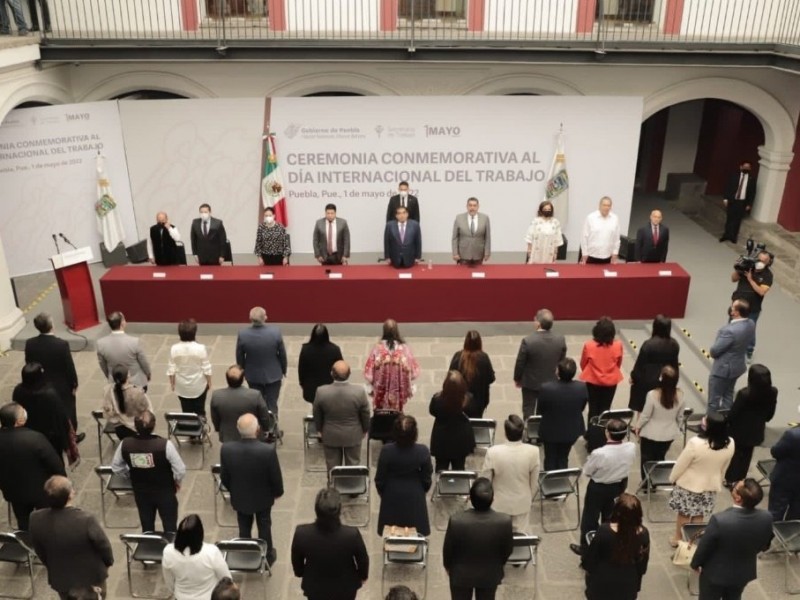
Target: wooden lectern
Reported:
[(75, 285)]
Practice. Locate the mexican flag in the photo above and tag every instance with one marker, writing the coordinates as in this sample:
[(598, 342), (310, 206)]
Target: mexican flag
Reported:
[(272, 184), (109, 223), (557, 188)]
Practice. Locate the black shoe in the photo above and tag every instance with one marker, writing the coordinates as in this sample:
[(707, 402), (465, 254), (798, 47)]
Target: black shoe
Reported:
[(576, 548), (80, 437), (723, 239), (272, 556)]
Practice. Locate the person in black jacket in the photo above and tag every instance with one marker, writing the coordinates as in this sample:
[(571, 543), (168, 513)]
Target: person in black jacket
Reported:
[(476, 367), (656, 352), (561, 405), (652, 240), (740, 191), (452, 438), (477, 545), (331, 558), (45, 412), (752, 409), (784, 493), (316, 361), (402, 198), (208, 238), (28, 462)]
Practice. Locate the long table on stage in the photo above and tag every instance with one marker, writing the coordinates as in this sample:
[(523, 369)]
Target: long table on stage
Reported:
[(372, 293)]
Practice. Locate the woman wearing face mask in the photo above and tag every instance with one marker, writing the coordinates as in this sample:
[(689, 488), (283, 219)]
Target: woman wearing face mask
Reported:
[(544, 236), (272, 241)]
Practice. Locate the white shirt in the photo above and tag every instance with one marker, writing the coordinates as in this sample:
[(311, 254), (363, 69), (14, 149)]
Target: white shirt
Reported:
[(610, 463), (193, 576), (332, 225), (742, 185), (600, 238), (188, 363), (173, 233), (470, 220)]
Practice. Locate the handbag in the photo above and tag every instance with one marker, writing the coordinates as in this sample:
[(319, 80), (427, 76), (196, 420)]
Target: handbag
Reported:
[(397, 531), (684, 553)]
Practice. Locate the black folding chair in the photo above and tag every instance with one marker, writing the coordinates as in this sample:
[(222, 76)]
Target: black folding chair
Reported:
[(104, 428), (452, 485), (16, 549), (118, 485), (532, 426), (787, 533), (559, 485), (656, 476), (188, 426), (405, 551), (352, 482), (380, 428), (147, 549), (247, 556), (525, 552), (221, 493), (312, 439)]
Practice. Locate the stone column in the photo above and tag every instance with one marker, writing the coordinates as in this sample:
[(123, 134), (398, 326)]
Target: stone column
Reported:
[(774, 166), (11, 318)]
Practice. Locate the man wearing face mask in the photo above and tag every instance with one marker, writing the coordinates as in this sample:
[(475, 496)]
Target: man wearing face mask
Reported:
[(403, 198), (753, 286), (740, 191), (162, 249), (208, 238)]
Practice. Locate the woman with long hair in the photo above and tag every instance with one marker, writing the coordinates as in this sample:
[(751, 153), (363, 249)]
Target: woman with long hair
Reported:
[(316, 360), (616, 560), (476, 367), (45, 410), (452, 438), (752, 409), (659, 421), (697, 474), (544, 236), (600, 367), (391, 369), (656, 352), (192, 567), (123, 402)]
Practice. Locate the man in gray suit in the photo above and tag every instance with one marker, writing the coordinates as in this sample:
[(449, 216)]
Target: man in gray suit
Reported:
[(472, 236), (262, 355), (331, 239), (230, 403), (726, 555), (729, 353), (537, 359), (119, 348), (341, 414)]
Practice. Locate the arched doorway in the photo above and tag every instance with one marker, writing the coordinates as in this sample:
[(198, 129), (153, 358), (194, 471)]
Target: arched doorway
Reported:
[(149, 95), (331, 93)]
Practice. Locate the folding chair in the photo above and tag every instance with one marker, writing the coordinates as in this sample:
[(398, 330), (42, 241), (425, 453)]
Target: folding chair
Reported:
[(118, 485), (380, 428), (188, 426), (688, 532), (656, 475), (352, 482), (405, 551), (145, 548), (16, 550), (220, 491), (312, 439), (623, 414), (788, 535), (104, 428), (524, 553), (532, 425), (247, 556), (557, 485), (692, 422), (765, 468), (452, 484), (484, 430), (273, 431)]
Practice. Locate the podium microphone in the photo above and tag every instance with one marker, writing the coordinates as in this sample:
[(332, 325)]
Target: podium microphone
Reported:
[(55, 241), (63, 237)]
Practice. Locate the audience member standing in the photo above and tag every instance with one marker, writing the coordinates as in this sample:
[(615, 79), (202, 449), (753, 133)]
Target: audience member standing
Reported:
[(740, 191), (192, 567), (123, 402), (189, 369), (652, 240), (784, 493), (753, 408), (729, 353), (698, 473), (119, 348), (600, 236), (70, 542), (391, 370), (617, 558), (561, 405), (544, 236), (537, 358), (155, 469), (252, 474), (208, 238), (329, 557), (28, 462), (476, 367), (513, 469), (659, 421), (262, 355), (601, 360), (230, 403), (341, 414), (59, 369), (45, 412), (656, 352), (477, 545), (403, 478), (316, 361), (452, 437)]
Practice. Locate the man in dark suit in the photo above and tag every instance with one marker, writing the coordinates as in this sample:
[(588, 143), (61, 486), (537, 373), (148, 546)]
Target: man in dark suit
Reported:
[(726, 555), (729, 353), (162, 247), (228, 404), (403, 198), (402, 241), (261, 353), (28, 461), (252, 474), (331, 239), (69, 541), (740, 191), (652, 241), (537, 359), (56, 359), (341, 414), (561, 405), (208, 238), (784, 491), (477, 545)]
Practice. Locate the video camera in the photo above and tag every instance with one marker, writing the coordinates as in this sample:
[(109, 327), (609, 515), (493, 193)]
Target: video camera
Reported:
[(747, 262)]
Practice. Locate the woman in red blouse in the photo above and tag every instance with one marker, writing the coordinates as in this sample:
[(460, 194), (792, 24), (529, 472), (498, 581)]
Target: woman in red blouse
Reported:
[(600, 366)]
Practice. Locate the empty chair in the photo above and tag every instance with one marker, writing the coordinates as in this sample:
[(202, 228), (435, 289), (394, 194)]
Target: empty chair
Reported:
[(188, 426), (765, 468), (692, 423), (313, 439), (526, 552), (405, 551), (247, 556), (221, 493), (147, 549), (532, 425), (656, 476), (352, 482), (380, 428), (14, 549), (118, 485), (484, 432), (104, 428), (787, 533), (453, 485), (559, 485)]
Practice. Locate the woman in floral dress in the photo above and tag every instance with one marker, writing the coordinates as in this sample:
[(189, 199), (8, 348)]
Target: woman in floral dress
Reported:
[(390, 370), (544, 236)]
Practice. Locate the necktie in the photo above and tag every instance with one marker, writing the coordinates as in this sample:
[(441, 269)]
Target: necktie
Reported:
[(402, 232), (741, 186), (472, 225), (655, 235), (205, 228), (330, 238), (402, 201)]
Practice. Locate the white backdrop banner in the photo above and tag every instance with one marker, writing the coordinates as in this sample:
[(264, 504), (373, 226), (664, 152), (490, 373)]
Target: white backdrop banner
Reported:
[(48, 179)]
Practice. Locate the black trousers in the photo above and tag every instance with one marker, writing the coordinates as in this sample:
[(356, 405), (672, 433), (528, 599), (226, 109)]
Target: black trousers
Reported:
[(733, 221), (449, 464), (164, 503), (194, 405), (22, 512), (123, 431), (35, 16), (784, 500), (711, 591), (598, 504), (651, 450), (556, 456), (598, 261), (465, 593), (530, 399), (272, 259), (740, 463), (600, 399), (263, 521)]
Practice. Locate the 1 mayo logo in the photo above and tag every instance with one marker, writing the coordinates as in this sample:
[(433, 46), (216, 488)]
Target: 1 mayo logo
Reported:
[(442, 131)]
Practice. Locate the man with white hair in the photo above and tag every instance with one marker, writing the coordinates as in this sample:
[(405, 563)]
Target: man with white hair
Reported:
[(162, 244), (262, 355), (252, 474), (600, 236)]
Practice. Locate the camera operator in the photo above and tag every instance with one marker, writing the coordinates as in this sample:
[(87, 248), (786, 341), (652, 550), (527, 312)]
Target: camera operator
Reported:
[(752, 285), (162, 249)]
